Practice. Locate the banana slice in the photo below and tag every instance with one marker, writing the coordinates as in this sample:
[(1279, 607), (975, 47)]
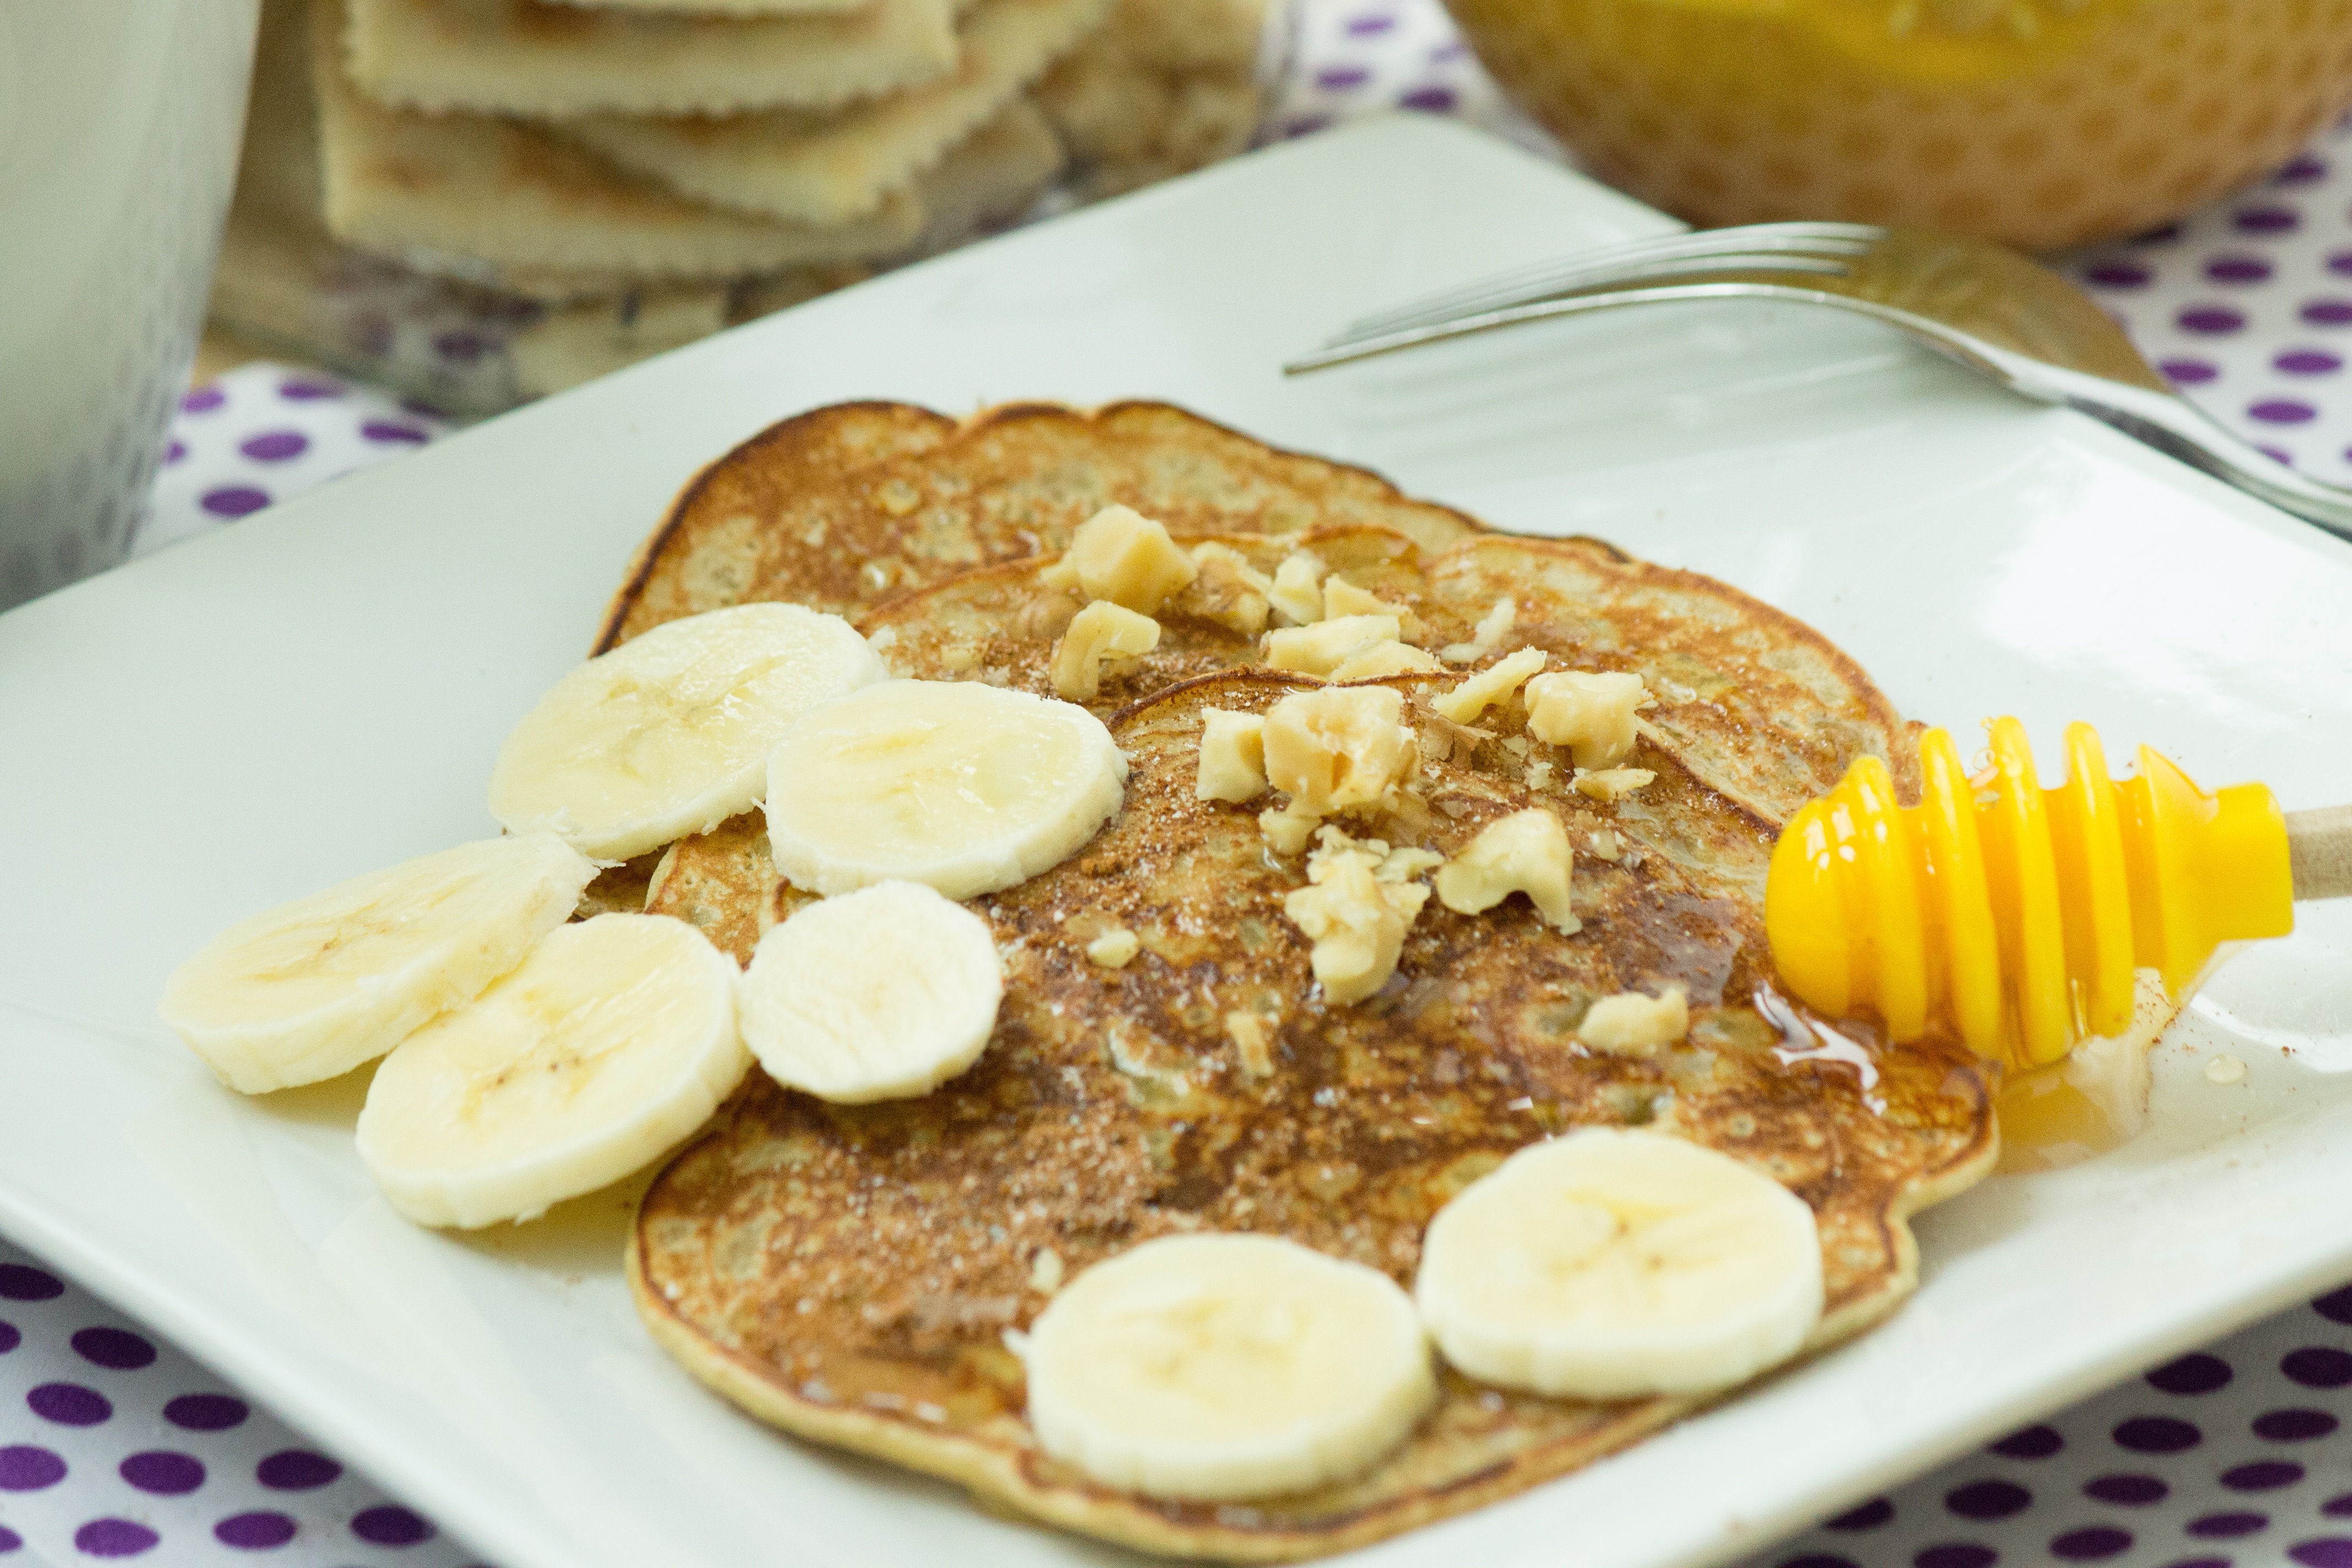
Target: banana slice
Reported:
[(310, 989), (1223, 1367), (962, 786), (615, 1040), (1612, 1264), (670, 733), (878, 994)]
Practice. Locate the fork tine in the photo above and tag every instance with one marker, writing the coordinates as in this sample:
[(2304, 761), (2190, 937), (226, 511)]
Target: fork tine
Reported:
[(1762, 267), (1615, 264)]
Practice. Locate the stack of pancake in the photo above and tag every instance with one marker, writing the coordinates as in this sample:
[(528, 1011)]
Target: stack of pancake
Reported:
[(634, 174)]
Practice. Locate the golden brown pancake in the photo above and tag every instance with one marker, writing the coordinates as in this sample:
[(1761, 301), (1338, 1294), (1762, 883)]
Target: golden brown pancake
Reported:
[(851, 1274), (820, 511)]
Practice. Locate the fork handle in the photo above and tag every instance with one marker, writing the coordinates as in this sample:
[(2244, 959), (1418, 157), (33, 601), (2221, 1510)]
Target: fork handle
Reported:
[(2179, 429)]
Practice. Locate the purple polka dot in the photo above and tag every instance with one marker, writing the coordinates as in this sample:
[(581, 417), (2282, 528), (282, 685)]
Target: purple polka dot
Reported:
[(1955, 1554), (2130, 1491), (202, 400), (296, 1470), (69, 1405), (2283, 411), (2341, 262), (2191, 1374), (2305, 168), (2029, 1443), (2156, 1435), (386, 430), (2118, 274), (257, 1531), (2201, 1563), (2336, 1306), (24, 1469), (423, 409), (2278, 454), (460, 345), (114, 1538), (9, 1338), (2338, 1507), (2262, 1476), (10, 1541), (1370, 23), (2189, 371), (2164, 234), (1451, 49), (307, 389), (1339, 79), (391, 1525), (161, 1470), (174, 452), (2267, 220), (1816, 1559), (2308, 362), (2317, 1366), (275, 446), (234, 501), (2238, 269), (1429, 99), (2210, 319), (2322, 1552), (1308, 125), (2227, 1526), (18, 1283), (1866, 1516), (2293, 1425), (205, 1411), (1987, 1499), (2327, 312), (2090, 1544), (117, 1348)]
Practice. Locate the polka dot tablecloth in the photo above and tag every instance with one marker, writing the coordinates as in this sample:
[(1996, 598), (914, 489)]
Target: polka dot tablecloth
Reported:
[(113, 1445)]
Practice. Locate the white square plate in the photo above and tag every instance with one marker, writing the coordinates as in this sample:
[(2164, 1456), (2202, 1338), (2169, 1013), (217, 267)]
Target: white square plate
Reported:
[(319, 690)]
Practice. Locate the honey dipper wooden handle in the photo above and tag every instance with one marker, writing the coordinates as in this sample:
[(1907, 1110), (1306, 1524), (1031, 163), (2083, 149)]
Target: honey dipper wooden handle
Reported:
[(2319, 852)]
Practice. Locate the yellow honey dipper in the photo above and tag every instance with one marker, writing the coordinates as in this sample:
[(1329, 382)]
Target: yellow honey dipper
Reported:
[(2014, 916)]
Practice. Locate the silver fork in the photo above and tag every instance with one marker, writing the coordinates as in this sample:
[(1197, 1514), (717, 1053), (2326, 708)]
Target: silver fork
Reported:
[(2002, 316)]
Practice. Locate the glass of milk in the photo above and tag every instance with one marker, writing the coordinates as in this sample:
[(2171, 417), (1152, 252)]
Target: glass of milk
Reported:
[(119, 129)]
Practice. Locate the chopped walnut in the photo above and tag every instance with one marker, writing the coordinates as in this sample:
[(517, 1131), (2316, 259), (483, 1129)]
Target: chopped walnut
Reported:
[(1102, 638), (1376, 659), (1322, 648), (1489, 686), (1592, 714), (1341, 597), (1357, 924), (1232, 756), (1630, 1024), (1228, 591), (1526, 852), (1611, 784), (1115, 949), (1121, 555), (1297, 595), (1339, 749), (1251, 1047)]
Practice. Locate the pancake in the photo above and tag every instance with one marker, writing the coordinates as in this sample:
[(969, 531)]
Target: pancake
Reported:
[(776, 519), (851, 1274)]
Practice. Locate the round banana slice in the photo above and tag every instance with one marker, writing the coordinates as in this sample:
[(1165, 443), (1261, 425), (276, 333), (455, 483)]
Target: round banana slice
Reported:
[(962, 786), (670, 733), (310, 989), (612, 1041), (1221, 1366), (878, 994), (1611, 1265)]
